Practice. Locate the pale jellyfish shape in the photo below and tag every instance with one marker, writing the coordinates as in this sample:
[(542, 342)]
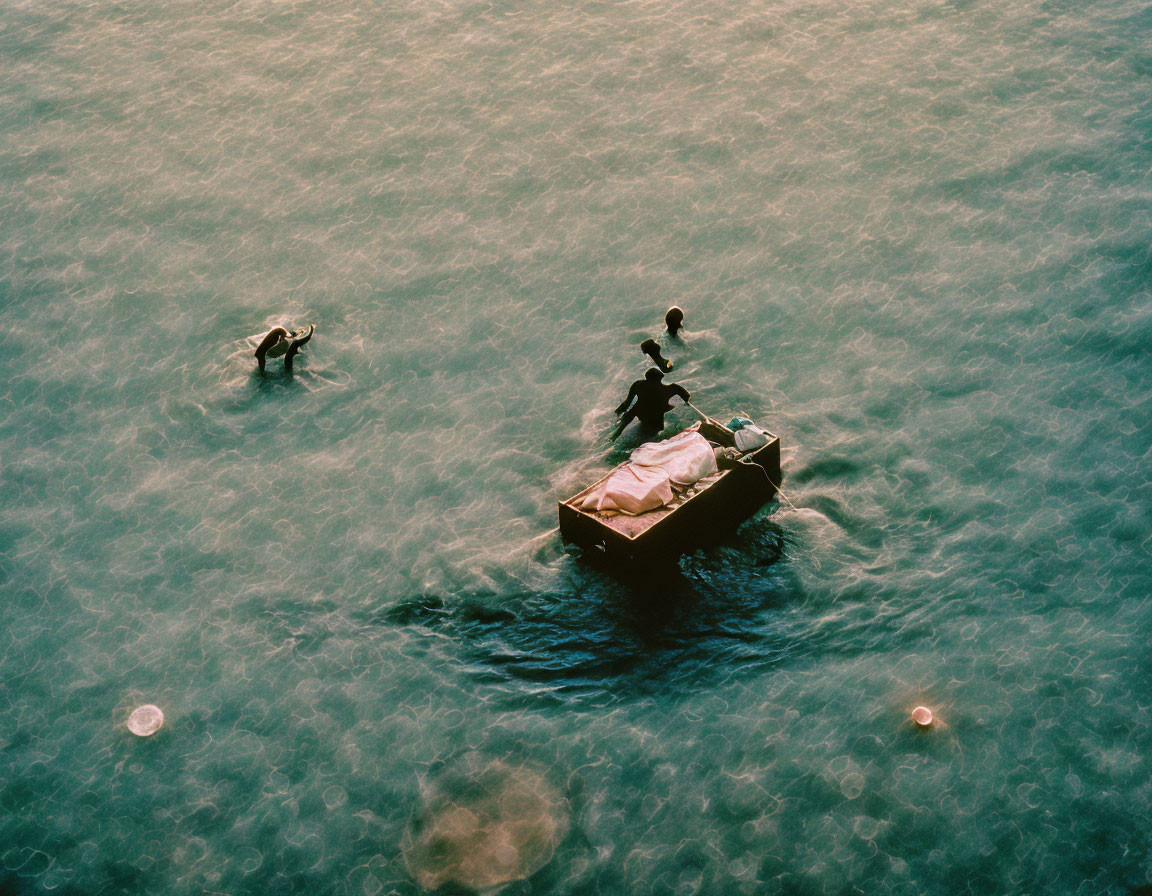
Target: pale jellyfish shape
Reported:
[(145, 720), (484, 824)]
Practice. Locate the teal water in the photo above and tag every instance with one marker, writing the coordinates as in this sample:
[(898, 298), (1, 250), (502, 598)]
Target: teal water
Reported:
[(911, 238)]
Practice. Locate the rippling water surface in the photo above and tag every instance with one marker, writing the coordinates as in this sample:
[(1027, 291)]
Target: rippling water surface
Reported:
[(912, 238)]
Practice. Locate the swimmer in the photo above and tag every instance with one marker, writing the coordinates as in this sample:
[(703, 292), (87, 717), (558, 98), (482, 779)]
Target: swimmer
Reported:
[(674, 320), (651, 348), (282, 342)]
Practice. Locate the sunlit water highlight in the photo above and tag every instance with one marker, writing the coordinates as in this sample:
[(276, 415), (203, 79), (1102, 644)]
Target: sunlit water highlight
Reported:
[(913, 239)]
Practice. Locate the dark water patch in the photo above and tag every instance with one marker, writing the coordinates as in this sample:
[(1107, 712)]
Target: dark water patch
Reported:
[(1140, 63), (862, 532), (759, 541), (602, 639), (834, 468), (31, 33), (12, 885)]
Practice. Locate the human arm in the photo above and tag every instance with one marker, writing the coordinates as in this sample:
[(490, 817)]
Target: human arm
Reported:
[(296, 345), (632, 394), (622, 425)]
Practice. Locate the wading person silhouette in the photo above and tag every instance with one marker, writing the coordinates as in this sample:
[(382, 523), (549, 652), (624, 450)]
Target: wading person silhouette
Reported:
[(650, 399), (651, 348), (280, 341)]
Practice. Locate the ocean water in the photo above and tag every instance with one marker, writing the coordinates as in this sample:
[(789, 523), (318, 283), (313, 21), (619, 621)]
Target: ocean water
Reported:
[(913, 237)]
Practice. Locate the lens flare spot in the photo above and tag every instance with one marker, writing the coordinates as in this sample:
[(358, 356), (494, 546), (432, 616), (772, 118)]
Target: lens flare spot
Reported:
[(145, 720), (483, 824)]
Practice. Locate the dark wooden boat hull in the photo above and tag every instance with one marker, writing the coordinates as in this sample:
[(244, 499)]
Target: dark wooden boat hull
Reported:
[(660, 537)]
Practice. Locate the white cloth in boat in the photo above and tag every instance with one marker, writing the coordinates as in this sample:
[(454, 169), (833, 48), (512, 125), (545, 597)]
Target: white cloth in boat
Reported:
[(645, 481)]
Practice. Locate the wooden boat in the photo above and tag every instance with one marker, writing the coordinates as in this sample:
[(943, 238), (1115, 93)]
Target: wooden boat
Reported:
[(714, 506)]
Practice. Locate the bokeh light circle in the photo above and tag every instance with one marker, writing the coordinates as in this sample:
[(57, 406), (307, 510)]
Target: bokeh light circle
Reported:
[(483, 824), (145, 720)]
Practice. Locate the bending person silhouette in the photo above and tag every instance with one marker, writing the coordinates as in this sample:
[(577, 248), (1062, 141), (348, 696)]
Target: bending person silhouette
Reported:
[(651, 348), (652, 401), (282, 342)]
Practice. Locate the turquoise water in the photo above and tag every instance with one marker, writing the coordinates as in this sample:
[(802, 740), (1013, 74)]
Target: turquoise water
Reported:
[(911, 238)]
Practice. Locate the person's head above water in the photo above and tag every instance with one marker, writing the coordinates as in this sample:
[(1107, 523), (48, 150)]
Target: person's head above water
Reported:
[(674, 319), (654, 375)]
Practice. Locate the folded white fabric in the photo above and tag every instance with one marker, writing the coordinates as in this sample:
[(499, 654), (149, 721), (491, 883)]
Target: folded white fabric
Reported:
[(630, 489), (686, 458), (645, 481)]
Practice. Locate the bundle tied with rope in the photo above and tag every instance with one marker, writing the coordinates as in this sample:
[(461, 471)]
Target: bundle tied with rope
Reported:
[(740, 424)]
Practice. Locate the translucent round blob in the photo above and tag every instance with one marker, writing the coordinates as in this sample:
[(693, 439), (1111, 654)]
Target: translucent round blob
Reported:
[(145, 720), (484, 824), (852, 785), (922, 716)]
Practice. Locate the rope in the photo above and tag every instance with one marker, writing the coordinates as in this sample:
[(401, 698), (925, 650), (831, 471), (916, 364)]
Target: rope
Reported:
[(705, 416), (777, 488)]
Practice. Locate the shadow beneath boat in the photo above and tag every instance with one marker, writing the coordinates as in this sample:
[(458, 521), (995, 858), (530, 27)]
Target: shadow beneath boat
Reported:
[(600, 638)]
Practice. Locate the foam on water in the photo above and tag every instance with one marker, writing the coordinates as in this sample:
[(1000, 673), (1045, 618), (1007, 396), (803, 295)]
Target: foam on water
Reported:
[(910, 238)]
